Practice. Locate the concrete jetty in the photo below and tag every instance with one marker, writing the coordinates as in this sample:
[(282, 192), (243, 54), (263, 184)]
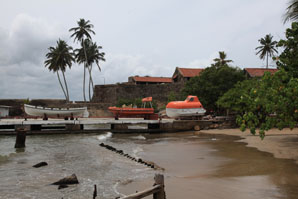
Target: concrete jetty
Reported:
[(94, 125)]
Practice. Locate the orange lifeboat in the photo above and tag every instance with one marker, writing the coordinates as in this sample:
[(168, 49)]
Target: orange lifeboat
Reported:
[(189, 107), (129, 112)]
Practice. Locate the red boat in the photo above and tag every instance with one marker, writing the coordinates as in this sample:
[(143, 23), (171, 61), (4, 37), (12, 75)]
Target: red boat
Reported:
[(129, 112)]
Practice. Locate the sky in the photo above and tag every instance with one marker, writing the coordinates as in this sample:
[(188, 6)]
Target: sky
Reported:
[(139, 37)]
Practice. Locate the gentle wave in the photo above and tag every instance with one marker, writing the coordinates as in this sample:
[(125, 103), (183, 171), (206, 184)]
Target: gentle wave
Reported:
[(135, 151), (139, 137), (105, 136)]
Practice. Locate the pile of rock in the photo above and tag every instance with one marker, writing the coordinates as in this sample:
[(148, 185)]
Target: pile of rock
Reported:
[(138, 160)]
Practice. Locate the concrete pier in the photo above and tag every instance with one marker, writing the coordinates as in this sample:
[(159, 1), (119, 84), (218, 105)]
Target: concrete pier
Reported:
[(93, 125)]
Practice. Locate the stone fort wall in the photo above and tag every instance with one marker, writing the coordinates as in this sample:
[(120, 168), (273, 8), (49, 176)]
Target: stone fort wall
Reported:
[(113, 92)]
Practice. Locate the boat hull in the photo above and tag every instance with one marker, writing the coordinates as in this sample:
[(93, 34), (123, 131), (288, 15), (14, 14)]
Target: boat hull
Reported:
[(183, 112), (55, 112), (146, 113)]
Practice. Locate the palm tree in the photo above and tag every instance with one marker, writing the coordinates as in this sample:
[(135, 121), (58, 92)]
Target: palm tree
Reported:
[(292, 11), (267, 48), (80, 33), (221, 61), (58, 59), (93, 55)]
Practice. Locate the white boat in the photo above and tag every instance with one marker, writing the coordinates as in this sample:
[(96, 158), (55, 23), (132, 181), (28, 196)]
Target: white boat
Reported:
[(55, 112), (190, 107)]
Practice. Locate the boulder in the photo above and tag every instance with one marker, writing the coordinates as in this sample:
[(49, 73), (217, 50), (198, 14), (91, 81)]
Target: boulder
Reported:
[(67, 180), (41, 164)]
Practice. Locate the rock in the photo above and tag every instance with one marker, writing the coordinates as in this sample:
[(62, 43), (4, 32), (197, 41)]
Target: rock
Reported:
[(102, 144), (62, 186), (120, 152), (67, 180), (41, 164)]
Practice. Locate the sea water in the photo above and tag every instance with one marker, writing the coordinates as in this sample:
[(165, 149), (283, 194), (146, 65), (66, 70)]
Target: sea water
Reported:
[(239, 166)]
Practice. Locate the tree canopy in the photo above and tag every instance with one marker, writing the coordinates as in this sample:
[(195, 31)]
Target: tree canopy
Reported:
[(272, 101), (221, 60), (212, 83), (58, 59), (292, 11), (267, 48), (264, 103), (288, 59)]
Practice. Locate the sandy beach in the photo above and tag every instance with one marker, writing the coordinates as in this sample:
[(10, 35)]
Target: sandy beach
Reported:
[(225, 164)]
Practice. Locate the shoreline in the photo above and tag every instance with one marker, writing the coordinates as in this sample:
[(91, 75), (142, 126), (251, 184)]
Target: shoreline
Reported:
[(281, 143)]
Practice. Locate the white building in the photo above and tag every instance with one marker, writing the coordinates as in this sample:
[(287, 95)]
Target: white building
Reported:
[(4, 111)]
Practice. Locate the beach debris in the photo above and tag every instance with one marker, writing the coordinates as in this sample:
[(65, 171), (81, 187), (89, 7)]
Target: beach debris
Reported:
[(67, 180), (138, 160), (41, 164)]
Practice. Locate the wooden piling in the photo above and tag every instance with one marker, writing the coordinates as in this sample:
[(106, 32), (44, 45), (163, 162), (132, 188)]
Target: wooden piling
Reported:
[(94, 192), (20, 138), (159, 180)]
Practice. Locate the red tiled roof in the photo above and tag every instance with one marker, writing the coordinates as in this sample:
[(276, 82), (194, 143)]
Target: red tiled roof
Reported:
[(153, 79), (259, 72), (190, 72)]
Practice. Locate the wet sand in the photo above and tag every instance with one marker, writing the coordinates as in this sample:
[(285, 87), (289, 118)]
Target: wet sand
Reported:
[(282, 144), (221, 166)]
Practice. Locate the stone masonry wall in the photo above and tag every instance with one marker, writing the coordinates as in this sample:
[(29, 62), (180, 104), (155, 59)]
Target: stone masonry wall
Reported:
[(112, 93)]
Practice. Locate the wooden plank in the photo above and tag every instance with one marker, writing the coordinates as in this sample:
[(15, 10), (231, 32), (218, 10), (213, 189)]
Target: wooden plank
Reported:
[(144, 193), (157, 190)]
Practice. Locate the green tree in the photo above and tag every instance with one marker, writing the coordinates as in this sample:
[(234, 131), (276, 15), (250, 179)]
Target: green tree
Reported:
[(80, 33), (94, 56), (221, 61), (58, 58), (269, 102), (288, 59), (292, 11), (267, 48), (237, 98), (212, 83)]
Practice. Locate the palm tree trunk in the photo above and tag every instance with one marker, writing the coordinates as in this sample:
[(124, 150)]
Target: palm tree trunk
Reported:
[(84, 68), (61, 85), (90, 82), (84, 83), (267, 62), (89, 85), (66, 86)]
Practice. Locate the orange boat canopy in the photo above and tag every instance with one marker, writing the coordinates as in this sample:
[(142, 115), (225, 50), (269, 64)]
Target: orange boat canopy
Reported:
[(147, 99), (190, 102)]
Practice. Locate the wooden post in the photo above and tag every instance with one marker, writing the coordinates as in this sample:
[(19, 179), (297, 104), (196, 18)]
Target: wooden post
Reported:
[(20, 138), (94, 192), (159, 180), (157, 190)]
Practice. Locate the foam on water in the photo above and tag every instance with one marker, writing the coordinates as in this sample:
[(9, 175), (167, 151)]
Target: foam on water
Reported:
[(139, 137), (136, 150), (105, 136)]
